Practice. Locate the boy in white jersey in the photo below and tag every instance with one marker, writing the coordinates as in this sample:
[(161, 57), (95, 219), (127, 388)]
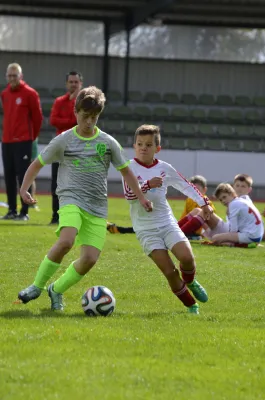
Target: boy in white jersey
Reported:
[(84, 153), (160, 232), (243, 228), (243, 186)]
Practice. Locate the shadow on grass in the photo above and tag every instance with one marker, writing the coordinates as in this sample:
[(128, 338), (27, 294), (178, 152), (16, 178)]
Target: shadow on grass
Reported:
[(47, 313)]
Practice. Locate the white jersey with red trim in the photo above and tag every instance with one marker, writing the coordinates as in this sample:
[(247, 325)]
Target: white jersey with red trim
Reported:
[(243, 216), (162, 213)]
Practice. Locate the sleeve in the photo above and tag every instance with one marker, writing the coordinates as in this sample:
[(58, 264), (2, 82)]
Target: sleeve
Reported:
[(54, 152), (128, 193), (233, 217), (118, 157), (58, 121), (175, 179), (35, 113)]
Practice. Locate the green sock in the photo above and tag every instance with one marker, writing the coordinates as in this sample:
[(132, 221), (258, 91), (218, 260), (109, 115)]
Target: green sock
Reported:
[(68, 279), (46, 270)]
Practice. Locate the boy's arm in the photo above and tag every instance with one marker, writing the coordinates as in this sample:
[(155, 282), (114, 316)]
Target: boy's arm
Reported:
[(145, 186), (29, 177), (233, 217), (133, 183)]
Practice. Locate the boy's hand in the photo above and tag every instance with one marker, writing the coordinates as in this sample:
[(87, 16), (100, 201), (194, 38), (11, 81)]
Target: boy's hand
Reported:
[(26, 197), (155, 182), (147, 204), (207, 211)]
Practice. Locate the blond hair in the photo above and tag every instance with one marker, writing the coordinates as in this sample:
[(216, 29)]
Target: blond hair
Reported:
[(224, 188), (15, 66)]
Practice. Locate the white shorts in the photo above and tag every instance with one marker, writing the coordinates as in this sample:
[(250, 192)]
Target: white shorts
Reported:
[(221, 227), (164, 237), (245, 237)]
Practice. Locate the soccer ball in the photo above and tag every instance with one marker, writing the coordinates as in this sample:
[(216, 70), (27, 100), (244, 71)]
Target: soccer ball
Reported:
[(98, 300)]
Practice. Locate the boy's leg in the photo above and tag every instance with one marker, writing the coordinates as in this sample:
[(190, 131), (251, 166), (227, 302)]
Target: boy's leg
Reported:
[(49, 265), (189, 216), (91, 237), (183, 252), (162, 259)]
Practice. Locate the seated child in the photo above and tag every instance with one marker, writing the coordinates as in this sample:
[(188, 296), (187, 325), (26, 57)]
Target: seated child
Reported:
[(244, 225), (201, 184)]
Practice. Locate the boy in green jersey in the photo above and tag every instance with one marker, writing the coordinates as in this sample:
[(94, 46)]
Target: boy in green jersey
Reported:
[(84, 154)]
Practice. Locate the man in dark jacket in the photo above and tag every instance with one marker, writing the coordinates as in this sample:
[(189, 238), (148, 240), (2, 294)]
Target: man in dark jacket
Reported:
[(63, 118), (21, 126)]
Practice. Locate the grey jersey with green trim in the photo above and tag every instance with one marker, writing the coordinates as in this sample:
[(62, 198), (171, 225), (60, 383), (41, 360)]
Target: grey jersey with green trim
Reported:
[(83, 170)]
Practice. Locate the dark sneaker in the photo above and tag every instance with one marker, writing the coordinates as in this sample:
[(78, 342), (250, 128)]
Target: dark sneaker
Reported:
[(10, 215), (22, 217), (198, 291), (30, 293), (56, 299)]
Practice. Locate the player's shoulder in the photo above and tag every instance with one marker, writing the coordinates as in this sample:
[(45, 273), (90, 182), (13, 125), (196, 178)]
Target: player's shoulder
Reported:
[(4, 91), (238, 202), (30, 90)]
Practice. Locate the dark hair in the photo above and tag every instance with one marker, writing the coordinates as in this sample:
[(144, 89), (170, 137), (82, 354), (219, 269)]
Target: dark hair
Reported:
[(74, 73), (149, 130), (244, 178), (198, 180), (91, 100)]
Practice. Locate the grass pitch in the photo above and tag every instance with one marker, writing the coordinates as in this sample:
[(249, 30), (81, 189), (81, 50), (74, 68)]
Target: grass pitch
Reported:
[(150, 348)]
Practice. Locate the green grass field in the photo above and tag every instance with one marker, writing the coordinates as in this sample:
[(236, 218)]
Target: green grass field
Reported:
[(150, 348)]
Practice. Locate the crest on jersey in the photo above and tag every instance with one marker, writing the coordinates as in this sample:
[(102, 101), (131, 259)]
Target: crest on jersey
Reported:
[(18, 100), (101, 149)]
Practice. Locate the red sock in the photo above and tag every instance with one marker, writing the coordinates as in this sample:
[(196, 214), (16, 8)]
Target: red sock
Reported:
[(185, 296), (192, 225), (241, 245), (187, 275), (185, 219)]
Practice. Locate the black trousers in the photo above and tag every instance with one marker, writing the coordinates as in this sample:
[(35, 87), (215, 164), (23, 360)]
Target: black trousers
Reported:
[(16, 160), (55, 200)]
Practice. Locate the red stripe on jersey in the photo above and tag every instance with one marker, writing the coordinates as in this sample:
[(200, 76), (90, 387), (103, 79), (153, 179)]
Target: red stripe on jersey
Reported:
[(205, 198)]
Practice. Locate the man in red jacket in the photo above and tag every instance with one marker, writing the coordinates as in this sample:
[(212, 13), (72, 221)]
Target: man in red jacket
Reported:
[(63, 118), (21, 126)]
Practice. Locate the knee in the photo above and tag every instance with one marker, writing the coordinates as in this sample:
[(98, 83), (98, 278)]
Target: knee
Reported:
[(187, 258), (88, 261), (65, 245)]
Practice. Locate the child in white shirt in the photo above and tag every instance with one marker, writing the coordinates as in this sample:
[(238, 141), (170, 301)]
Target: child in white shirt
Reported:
[(159, 232)]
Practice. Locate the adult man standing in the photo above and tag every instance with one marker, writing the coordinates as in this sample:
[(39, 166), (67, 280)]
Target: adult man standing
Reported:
[(63, 118), (21, 126)]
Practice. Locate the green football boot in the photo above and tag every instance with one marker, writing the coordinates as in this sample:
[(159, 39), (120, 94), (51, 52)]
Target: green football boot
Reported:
[(198, 291)]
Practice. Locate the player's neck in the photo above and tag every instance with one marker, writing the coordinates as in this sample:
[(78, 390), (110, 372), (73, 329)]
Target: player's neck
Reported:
[(146, 162), (86, 133)]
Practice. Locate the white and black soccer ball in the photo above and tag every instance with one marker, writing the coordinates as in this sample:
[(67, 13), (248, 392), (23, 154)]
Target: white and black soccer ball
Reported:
[(98, 300)]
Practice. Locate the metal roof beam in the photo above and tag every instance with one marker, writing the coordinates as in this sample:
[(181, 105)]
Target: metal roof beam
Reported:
[(140, 14)]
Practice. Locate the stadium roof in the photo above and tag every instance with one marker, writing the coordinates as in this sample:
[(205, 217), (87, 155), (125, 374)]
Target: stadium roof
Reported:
[(130, 13)]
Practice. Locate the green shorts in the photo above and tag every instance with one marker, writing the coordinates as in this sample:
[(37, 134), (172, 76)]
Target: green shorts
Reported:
[(91, 229)]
